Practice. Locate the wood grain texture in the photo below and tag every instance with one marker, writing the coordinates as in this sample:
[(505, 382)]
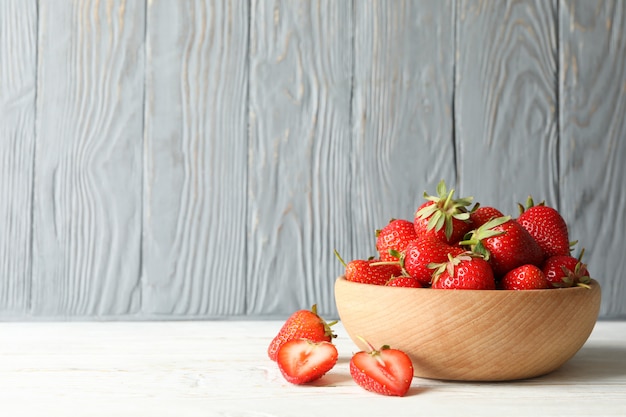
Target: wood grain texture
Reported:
[(449, 333), (163, 159), (220, 369), (593, 139), (298, 208), (402, 112), (506, 102), (18, 66), (194, 252), (87, 208)]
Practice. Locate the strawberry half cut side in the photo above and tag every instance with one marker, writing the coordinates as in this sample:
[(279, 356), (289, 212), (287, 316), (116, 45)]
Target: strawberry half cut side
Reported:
[(303, 324), (301, 361), (384, 371)]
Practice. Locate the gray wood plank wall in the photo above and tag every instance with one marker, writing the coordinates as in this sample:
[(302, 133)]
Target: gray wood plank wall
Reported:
[(202, 159)]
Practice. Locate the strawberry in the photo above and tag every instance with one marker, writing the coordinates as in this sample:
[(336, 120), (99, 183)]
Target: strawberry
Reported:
[(394, 236), (525, 277), (481, 215), (403, 281), (370, 271), (442, 216), (547, 226), (566, 271), (385, 371), (303, 324), (466, 271), (505, 244), (301, 361), (421, 252)]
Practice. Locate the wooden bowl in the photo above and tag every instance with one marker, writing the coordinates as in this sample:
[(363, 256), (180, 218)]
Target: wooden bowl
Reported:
[(471, 335)]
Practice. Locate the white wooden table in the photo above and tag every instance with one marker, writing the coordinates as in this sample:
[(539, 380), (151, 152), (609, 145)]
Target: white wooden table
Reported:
[(220, 368)]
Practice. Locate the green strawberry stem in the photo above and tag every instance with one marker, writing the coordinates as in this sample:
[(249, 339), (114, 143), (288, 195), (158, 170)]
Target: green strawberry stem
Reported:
[(327, 325), (449, 265), (475, 207), (476, 237), (529, 203), (444, 209), (368, 344), (385, 263), (340, 259), (373, 352), (399, 262)]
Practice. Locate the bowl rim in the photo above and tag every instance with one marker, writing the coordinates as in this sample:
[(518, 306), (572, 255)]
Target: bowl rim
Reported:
[(592, 284)]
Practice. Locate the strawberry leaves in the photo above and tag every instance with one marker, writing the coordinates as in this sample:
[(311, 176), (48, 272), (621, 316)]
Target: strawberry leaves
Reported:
[(443, 213), (488, 230), (444, 225)]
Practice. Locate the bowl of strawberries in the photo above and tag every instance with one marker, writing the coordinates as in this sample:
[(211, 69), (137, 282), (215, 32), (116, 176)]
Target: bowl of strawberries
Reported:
[(470, 293)]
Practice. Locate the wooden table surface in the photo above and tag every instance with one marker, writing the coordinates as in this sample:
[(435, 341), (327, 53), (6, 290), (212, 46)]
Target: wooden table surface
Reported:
[(220, 368)]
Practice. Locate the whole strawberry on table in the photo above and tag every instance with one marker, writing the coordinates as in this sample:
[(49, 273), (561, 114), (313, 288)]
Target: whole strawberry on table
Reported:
[(455, 246)]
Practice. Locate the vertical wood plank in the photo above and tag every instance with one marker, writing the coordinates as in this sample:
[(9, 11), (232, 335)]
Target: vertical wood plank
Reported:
[(300, 80), (593, 139), (87, 208), (506, 99), (402, 121), (196, 158), (18, 65)]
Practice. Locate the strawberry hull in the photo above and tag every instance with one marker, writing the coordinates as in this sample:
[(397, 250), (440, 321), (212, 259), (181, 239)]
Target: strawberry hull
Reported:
[(505, 244)]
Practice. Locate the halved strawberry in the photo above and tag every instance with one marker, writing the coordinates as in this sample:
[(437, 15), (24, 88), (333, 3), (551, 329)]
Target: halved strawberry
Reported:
[(384, 371), (303, 324), (394, 237), (301, 361), (525, 277), (443, 217)]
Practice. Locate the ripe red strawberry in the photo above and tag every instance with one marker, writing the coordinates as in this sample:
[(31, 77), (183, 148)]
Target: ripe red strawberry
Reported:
[(505, 244), (442, 216), (303, 324), (403, 281), (421, 252), (464, 272), (566, 271), (385, 371), (525, 277), (547, 226), (481, 215), (370, 271), (301, 361), (394, 236)]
